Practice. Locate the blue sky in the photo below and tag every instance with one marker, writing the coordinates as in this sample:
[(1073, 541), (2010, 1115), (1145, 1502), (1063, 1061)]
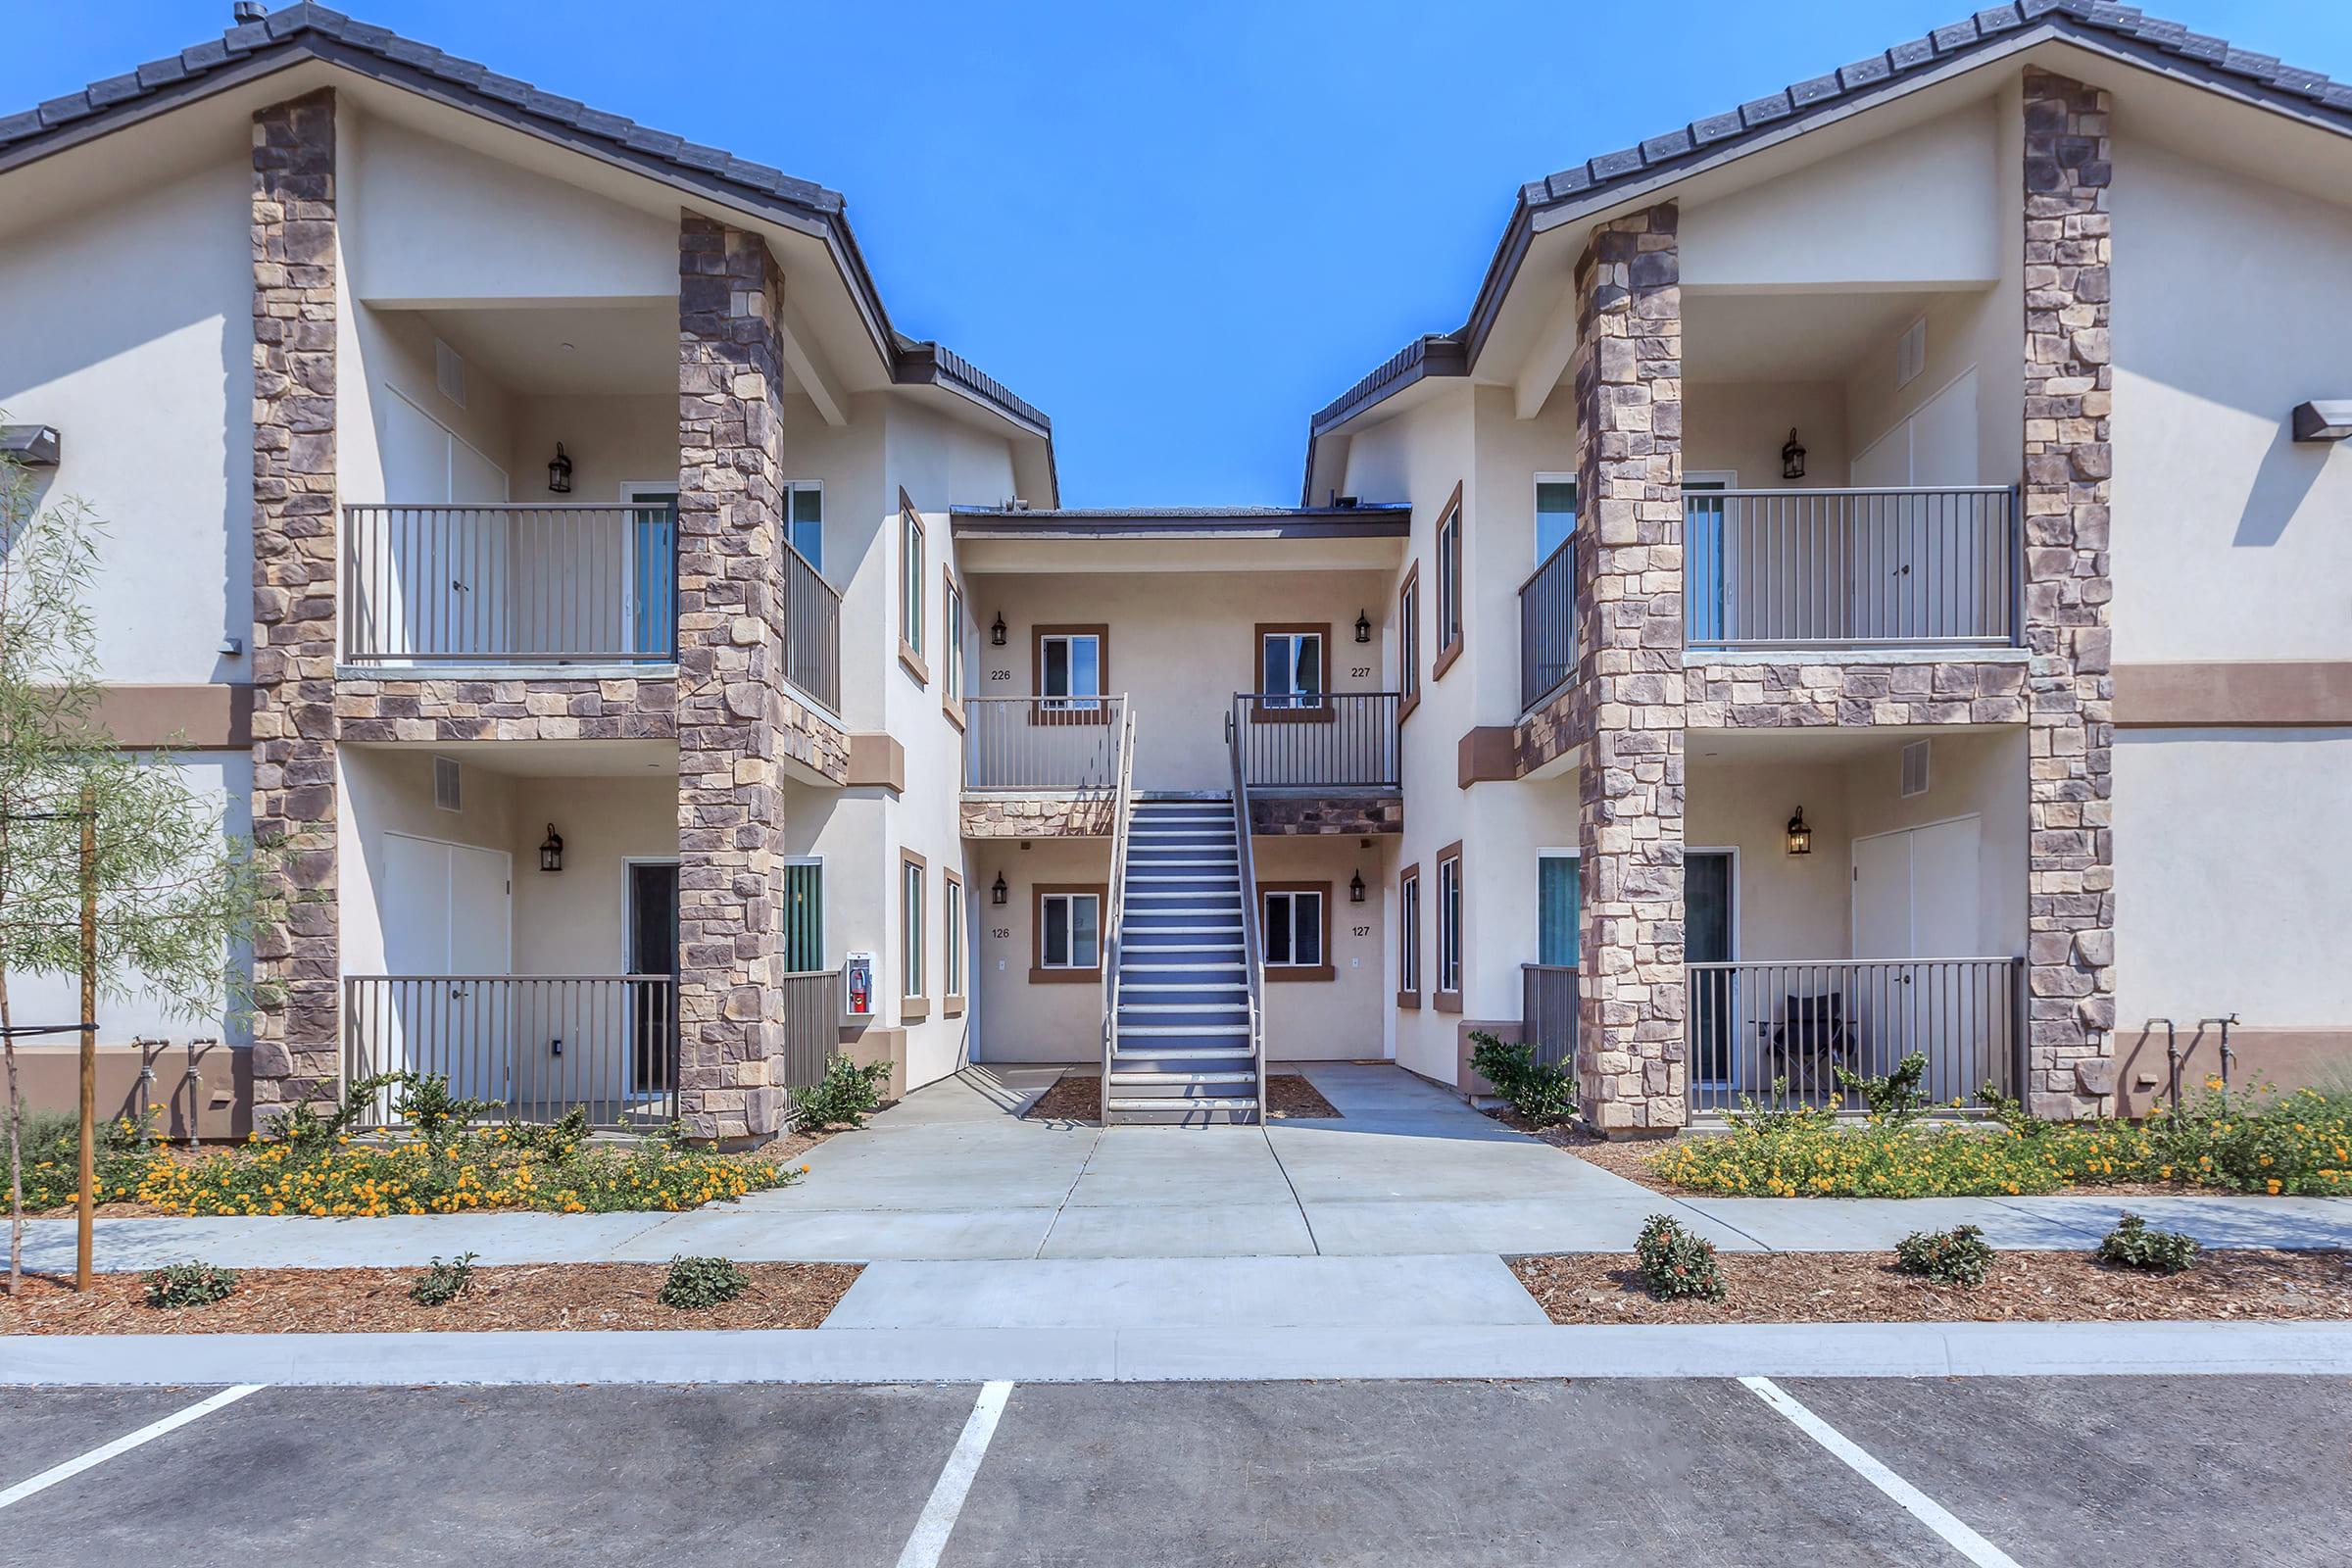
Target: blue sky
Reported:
[(1179, 229)]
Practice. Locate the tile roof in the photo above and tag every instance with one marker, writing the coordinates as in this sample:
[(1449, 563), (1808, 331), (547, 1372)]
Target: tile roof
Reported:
[(1596, 181), (288, 34)]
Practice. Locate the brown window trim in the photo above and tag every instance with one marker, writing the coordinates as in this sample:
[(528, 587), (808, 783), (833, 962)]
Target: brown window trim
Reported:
[(1448, 653), (1099, 713), (1038, 974), (1285, 974), (1260, 713), (916, 1004), (952, 593), (1409, 643), (1442, 1000), (1408, 936), (951, 1004), (910, 654)]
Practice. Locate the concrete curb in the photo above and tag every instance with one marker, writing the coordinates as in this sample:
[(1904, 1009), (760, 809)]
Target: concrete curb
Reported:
[(1181, 1355)]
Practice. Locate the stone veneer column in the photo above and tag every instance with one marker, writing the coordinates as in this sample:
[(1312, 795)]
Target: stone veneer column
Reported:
[(2068, 460), (730, 669), (296, 965), (1632, 1066)]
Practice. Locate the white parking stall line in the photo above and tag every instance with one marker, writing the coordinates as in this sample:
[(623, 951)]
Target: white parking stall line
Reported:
[(1922, 1507), (123, 1444), (939, 1516)]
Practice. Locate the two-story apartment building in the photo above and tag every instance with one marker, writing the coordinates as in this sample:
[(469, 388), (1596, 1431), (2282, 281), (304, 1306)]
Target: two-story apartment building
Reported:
[(1867, 577)]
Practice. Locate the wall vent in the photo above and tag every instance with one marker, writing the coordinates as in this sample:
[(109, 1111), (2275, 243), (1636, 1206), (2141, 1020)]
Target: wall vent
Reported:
[(1911, 352), (449, 372), (1915, 769), (449, 784)]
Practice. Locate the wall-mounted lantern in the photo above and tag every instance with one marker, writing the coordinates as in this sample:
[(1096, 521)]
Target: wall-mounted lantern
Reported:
[(558, 473), (1363, 627), (550, 850), (1355, 888), (997, 892), (996, 631), (1800, 837), (2322, 419), (1793, 457)]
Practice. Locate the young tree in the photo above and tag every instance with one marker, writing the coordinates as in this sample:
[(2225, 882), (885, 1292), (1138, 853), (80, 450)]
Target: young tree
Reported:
[(178, 894)]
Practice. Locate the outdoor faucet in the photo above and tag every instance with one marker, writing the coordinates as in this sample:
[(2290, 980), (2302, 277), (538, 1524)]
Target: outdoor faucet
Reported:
[(2172, 1057), (2228, 1055)]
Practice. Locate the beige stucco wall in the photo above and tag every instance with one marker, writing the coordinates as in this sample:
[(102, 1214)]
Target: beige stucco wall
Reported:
[(1344, 1017), (1983, 774), (1017, 1021), (2231, 540), (2232, 875), (1181, 644), (573, 922), (387, 789), (127, 325)]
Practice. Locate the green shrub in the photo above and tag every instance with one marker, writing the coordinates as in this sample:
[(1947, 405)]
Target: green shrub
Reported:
[(696, 1283), (1676, 1265), (2133, 1244), (847, 1094), (1540, 1092), (50, 1143), (1957, 1256), (1897, 1098), (188, 1285), (443, 1283)]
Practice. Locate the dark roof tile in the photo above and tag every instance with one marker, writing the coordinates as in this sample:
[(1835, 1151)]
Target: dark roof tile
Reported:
[(1764, 110), (1610, 166), (1673, 144), (23, 124), (1715, 127), (1805, 94), (1865, 72), (113, 89), (59, 111), (1959, 35), (157, 72)]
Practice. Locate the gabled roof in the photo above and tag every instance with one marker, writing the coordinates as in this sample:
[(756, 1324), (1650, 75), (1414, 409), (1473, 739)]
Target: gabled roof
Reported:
[(287, 37), (1599, 182)]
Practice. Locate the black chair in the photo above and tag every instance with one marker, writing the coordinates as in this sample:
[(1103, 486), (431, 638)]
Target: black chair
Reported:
[(1812, 1040)]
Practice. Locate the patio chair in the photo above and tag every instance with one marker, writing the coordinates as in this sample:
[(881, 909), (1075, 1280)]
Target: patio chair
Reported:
[(1812, 1039)]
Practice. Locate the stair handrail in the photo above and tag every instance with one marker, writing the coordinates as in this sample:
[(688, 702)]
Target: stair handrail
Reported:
[(1247, 860), (1112, 935)]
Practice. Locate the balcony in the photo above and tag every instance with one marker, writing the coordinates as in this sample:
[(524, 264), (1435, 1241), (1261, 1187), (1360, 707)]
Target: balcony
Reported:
[(1052, 745), (1317, 739), (1547, 640), (1830, 569)]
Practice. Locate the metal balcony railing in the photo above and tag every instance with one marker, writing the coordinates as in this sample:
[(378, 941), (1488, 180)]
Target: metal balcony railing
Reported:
[(812, 629), (1342, 740), (1547, 641), (1043, 743), (1841, 568), (1549, 996)]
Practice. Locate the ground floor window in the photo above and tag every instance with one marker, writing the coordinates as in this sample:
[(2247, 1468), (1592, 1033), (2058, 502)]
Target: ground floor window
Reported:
[(910, 924), (804, 915), (951, 932), (1558, 896), (1294, 930), (1408, 936), (1449, 922), (1069, 931)]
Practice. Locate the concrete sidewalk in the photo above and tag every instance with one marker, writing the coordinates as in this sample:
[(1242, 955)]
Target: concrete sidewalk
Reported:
[(951, 1173)]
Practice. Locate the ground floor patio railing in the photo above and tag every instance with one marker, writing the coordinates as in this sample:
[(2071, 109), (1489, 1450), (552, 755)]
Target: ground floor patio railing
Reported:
[(1548, 997), (1801, 1021), (536, 1046)]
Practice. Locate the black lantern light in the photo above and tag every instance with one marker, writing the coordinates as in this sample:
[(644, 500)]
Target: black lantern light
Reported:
[(997, 892), (550, 850), (1363, 627), (558, 473), (1800, 837), (1355, 888), (1793, 457), (996, 631)]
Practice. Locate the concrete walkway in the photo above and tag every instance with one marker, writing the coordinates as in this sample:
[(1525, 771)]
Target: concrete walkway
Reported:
[(1406, 1171)]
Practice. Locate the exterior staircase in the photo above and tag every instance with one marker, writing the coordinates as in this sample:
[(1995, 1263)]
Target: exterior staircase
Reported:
[(1184, 1047)]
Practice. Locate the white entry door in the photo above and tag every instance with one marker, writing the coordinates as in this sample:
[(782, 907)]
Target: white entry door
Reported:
[(1916, 897), (445, 910)]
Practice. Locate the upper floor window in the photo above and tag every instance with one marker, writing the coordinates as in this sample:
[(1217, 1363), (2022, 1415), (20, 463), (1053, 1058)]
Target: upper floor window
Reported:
[(1069, 667), (1449, 583), (805, 508), (951, 638), (1408, 641), (1555, 513), (1290, 668), (910, 577)]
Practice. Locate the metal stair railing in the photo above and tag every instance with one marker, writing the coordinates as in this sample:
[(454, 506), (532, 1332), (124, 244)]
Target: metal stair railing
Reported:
[(1247, 863), (1113, 936)]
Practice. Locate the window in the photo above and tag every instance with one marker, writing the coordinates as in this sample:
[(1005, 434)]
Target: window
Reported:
[(911, 924), (1450, 926), (951, 642), (1070, 669), (804, 914), (1290, 669), (951, 941), (910, 588), (1555, 513), (1558, 896), (805, 512), (653, 566), (1449, 584), (1409, 937), (1294, 930), (1069, 933), (1408, 641)]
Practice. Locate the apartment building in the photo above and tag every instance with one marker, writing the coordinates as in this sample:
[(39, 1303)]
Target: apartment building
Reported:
[(1866, 577)]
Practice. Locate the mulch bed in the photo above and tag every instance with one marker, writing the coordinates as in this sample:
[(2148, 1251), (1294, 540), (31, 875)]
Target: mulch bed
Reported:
[(1078, 1097), (376, 1301), (2022, 1288)]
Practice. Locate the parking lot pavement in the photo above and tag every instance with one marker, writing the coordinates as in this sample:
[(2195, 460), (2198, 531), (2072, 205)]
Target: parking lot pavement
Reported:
[(2060, 1471)]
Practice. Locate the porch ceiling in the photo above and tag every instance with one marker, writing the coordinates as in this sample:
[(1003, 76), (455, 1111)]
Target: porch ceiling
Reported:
[(1746, 338), (583, 350)]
